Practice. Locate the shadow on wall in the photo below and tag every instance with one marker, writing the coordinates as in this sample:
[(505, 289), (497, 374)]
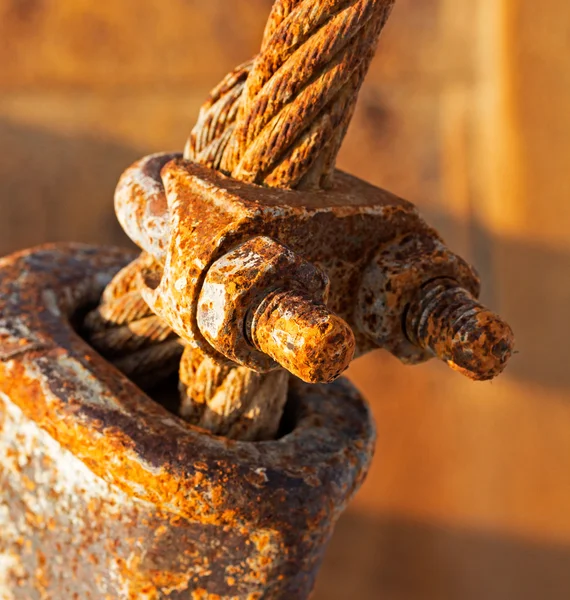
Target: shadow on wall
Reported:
[(56, 188), (393, 559)]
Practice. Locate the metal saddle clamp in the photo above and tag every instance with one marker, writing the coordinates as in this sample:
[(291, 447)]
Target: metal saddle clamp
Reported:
[(305, 280)]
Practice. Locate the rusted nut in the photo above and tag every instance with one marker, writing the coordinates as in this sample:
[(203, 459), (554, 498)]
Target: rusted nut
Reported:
[(149, 505), (238, 315), (391, 282), (450, 323), (303, 336)]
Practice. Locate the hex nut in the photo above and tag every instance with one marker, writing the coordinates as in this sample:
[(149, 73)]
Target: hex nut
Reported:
[(393, 278), (237, 284)]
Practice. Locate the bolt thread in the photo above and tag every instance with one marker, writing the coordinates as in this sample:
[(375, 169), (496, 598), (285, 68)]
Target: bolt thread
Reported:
[(448, 321)]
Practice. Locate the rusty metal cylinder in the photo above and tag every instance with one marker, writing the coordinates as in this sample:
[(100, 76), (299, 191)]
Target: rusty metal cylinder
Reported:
[(447, 320), (302, 335)]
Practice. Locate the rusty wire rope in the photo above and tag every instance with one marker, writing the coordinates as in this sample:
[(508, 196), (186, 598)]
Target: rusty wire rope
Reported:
[(279, 121)]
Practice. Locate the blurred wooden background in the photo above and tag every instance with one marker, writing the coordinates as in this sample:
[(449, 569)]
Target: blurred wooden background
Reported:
[(465, 113)]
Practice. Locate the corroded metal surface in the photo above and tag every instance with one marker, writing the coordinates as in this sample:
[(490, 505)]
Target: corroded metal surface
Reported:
[(375, 250), (106, 494), (448, 321), (234, 277), (302, 335), (262, 305), (394, 278)]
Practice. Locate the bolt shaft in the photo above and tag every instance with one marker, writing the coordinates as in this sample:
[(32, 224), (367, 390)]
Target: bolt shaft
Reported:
[(450, 322), (302, 335)]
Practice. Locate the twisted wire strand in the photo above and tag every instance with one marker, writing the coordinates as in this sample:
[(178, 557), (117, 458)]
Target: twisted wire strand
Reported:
[(216, 120), (133, 336), (235, 402), (124, 329), (279, 11), (311, 52), (301, 47), (117, 312), (280, 119), (125, 281), (150, 366)]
